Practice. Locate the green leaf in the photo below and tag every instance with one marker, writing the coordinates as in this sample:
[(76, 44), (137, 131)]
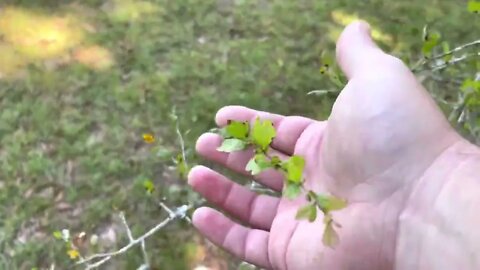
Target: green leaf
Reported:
[(182, 167), (258, 164), (431, 40), (330, 203), (335, 78), (237, 130), (291, 191), (425, 32), (330, 236), (323, 69), (446, 49), (473, 6), (263, 133), (58, 235), (149, 186), (294, 168), (276, 162), (231, 145), (308, 212), (470, 85), (326, 59), (220, 131)]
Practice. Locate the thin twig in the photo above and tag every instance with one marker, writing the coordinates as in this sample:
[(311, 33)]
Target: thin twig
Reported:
[(454, 61), (182, 143), (145, 254), (127, 228), (97, 264), (424, 61), (180, 212), (457, 49), (168, 210)]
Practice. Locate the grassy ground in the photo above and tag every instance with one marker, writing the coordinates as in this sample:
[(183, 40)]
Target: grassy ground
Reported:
[(81, 81)]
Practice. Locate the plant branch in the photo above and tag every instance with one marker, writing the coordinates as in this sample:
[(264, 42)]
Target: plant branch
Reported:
[(182, 143), (178, 213), (424, 61), (127, 228), (455, 61)]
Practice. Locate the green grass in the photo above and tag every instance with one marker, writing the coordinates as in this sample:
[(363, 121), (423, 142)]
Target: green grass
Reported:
[(71, 152)]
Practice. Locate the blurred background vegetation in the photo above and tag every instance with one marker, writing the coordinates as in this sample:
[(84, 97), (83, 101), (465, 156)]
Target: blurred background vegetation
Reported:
[(81, 81)]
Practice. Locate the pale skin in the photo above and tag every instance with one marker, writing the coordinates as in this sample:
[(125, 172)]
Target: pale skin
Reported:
[(413, 183)]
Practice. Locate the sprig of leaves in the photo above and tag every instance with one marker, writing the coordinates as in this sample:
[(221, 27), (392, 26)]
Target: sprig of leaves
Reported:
[(259, 136)]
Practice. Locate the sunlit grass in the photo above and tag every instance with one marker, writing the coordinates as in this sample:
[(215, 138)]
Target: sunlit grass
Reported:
[(94, 57), (31, 37), (36, 36), (343, 19), (10, 61)]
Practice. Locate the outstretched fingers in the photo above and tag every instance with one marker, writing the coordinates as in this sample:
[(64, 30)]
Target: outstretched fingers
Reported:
[(250, 245), (256, 210), (207, 146)]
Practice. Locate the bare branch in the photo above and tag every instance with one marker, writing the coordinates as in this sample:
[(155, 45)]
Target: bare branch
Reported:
[(127, 228), (145, 254), (178, 213), (98, 263), (454, 61), (424, 61), (457, 49)]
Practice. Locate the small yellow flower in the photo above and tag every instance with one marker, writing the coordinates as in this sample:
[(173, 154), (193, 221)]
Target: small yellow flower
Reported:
[(148, 138), (73, 254)]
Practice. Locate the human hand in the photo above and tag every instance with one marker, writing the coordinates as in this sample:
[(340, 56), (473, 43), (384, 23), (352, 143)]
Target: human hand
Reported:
[(383, 141)]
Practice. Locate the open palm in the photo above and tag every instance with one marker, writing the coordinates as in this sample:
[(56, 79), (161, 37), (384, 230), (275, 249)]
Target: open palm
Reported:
[(383, 135)]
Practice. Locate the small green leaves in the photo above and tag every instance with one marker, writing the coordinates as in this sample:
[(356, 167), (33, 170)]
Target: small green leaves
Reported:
[(232, 145), (329, 203), (323, 69), (431, 40), (58, 235), (446, 51), (330, 236), (237, 130), (149, 186), (263, 133), (471, 88), (326, 59), (308, 212), (238, 136), (182, 166), (276, 162), (294, 168), (258, 164), (470, 85), (291, 190), (473, 6)]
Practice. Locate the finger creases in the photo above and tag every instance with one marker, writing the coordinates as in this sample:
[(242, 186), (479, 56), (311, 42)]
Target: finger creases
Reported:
[(250, 245), (256, 210)]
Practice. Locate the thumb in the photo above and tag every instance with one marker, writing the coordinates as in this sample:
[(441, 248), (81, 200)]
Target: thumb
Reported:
[(356, 51)]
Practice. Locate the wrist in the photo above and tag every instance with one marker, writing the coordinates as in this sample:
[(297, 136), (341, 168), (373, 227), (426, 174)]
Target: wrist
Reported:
[(439, 223)]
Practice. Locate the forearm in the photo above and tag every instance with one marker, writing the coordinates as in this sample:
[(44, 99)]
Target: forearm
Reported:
[(440, 226)]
